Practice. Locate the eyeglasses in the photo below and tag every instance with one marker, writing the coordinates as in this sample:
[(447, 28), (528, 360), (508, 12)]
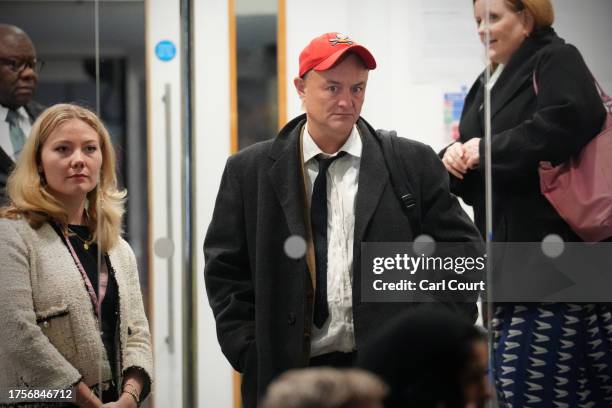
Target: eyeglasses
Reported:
[(17, 66)]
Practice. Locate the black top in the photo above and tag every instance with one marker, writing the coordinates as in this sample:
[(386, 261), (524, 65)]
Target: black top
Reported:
[(110, 306)]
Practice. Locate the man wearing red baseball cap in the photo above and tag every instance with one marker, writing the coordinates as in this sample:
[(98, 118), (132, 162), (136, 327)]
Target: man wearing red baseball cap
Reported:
[(283, 249)]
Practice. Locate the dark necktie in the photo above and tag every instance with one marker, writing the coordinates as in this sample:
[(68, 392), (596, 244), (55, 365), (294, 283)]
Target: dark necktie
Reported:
[(16, 134), (318, 217)]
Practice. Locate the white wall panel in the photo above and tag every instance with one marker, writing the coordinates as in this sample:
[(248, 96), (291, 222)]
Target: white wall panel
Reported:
[(212, 143), (586, 24), (162, 17)]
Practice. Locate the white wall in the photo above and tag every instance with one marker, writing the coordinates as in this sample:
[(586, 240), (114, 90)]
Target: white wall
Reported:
[(586, 24)]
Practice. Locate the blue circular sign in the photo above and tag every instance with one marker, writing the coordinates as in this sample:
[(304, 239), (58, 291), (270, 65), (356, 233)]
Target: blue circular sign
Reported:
[(165, 50)]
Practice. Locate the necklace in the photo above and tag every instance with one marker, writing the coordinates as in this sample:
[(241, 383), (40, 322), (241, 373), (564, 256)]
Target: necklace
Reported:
[(86, 242)]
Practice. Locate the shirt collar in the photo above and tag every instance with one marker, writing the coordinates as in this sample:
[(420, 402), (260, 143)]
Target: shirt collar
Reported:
[(23, 114), (352, 145)]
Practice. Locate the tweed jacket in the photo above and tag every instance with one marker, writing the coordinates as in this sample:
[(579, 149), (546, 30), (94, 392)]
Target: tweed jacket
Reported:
[(50, 337)]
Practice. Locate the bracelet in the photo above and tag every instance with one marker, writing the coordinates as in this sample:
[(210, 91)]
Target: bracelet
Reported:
[(134, 388), (133, 394)]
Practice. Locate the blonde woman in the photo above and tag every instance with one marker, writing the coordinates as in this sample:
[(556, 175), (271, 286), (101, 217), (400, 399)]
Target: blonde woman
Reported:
[(68, 320)]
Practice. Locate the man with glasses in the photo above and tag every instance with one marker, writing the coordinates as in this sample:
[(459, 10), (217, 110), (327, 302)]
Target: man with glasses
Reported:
[(18, 78)]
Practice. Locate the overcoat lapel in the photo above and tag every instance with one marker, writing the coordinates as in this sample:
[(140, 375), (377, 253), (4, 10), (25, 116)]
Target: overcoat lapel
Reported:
[(6, 162), (285, 176), (373, 178), (287, 180), (513, 83), (517, 75)]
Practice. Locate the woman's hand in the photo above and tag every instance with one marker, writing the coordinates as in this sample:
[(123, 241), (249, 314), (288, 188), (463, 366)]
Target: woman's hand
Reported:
[(471, 153), (454, 160)]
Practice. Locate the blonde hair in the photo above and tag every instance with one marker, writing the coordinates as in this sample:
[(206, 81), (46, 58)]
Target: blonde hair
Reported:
[(541, 10), (26, 187)]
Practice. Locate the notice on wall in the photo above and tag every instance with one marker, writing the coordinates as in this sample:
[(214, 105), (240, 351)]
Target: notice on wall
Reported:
[(453, 106), (444, 44)]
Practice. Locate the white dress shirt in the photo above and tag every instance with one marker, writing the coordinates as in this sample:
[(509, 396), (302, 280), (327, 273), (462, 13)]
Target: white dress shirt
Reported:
[(337, 334), (5, 135)]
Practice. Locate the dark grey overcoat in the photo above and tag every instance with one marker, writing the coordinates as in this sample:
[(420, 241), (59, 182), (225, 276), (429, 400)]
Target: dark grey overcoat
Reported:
[(263, 300)]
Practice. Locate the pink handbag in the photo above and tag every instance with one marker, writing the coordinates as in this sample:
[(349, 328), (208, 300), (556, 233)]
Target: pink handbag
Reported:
[(580, 189)]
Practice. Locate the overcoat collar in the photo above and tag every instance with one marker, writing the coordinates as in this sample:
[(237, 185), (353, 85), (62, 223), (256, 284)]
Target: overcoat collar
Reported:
[(285, 175), (287, 179), (373, 178), (6, 162), (517, 74)]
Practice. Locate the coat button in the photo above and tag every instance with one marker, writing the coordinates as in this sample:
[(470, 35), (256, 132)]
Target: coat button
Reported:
[(291, 319)]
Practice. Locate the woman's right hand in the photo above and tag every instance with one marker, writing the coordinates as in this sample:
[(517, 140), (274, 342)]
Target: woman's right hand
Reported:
[(454, 160)]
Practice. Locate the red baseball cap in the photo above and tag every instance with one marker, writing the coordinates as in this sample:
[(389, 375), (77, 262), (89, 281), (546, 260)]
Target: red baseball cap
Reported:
[(325, 50)]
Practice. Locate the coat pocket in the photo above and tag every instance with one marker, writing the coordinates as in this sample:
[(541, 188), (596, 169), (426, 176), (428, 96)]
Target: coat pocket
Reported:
[(56, 325)]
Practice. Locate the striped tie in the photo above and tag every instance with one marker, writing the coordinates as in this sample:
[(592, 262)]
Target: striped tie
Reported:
[(17, 136)]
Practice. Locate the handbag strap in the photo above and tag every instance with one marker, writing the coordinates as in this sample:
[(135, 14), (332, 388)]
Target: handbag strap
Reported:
[(604, 96)]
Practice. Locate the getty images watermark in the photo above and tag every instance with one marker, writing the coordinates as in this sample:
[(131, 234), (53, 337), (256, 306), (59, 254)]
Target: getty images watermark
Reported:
[(519, 272), (392, 272), (407, 264)]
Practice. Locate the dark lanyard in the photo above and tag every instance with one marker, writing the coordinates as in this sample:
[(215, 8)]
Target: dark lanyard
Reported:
[(103, 279)]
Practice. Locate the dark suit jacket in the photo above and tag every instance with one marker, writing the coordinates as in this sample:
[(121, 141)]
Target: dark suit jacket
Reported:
[(6, 162), (526, 129), (263, 300)]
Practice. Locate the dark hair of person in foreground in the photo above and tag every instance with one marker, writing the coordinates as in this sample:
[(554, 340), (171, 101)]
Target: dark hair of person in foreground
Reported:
[(430, 357)]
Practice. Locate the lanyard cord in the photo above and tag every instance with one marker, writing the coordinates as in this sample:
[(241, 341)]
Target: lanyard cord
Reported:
[(95, 300)]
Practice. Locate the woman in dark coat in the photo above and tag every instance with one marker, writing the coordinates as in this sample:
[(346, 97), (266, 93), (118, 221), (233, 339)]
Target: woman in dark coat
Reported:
[(546, 355)]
